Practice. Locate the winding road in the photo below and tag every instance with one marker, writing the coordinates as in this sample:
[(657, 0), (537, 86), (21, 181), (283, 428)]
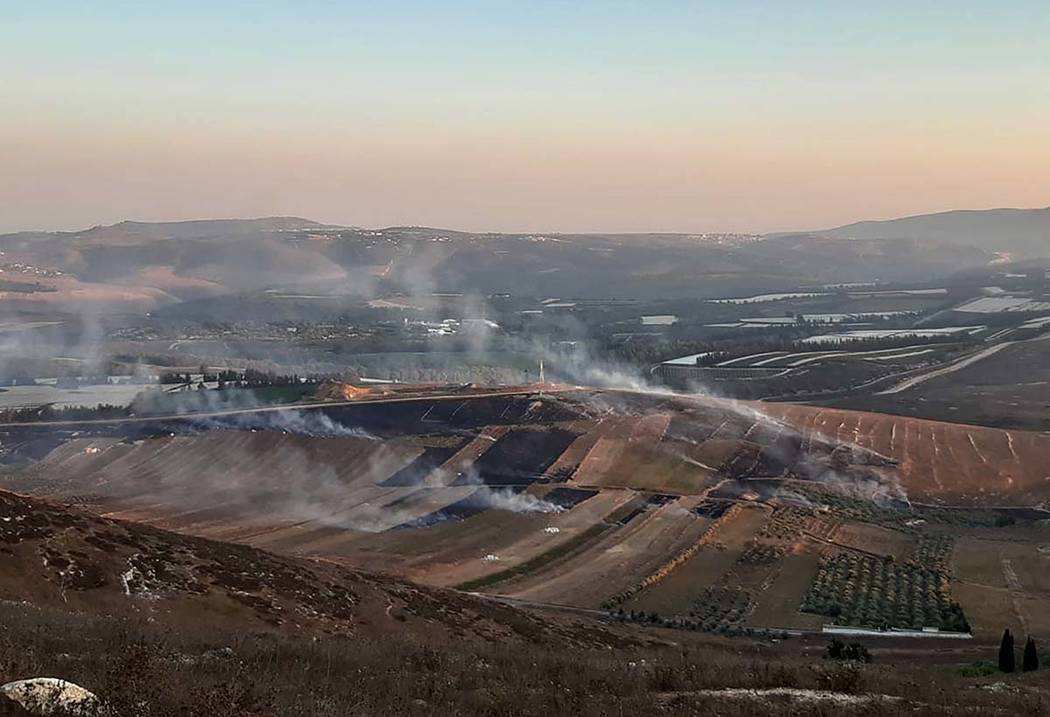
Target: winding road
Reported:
[(515, 391), (945, 370)]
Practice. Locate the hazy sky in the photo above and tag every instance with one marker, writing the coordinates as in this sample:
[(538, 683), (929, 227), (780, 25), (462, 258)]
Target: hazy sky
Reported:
[(522, 115)]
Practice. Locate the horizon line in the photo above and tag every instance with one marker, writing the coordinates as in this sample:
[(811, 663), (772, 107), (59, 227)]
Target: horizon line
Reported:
[(335, 225)]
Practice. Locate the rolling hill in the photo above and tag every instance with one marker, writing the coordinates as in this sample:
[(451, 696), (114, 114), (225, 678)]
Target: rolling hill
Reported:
[(1021, 233), (144, 266), (56, 556), (729, 516)]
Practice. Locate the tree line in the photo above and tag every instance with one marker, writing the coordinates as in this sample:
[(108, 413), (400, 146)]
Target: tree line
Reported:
[(1008, 660)]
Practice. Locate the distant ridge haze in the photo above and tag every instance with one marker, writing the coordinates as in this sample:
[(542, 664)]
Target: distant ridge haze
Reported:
[(1023, 233), (145, 266)]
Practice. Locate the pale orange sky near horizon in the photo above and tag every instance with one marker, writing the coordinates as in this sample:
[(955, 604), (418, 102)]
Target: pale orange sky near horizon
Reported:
[(598, 117)]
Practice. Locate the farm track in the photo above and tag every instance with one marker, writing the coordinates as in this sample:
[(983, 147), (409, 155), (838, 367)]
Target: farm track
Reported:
[(945, 370), (181, 417), (1013, 584)]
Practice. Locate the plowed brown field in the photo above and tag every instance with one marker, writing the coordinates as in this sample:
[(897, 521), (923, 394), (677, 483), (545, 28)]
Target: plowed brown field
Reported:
[(938, 461), (687, 506)]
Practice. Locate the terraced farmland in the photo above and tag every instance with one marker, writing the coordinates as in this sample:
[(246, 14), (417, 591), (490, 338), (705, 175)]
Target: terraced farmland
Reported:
[(936, 461), (719, 515)]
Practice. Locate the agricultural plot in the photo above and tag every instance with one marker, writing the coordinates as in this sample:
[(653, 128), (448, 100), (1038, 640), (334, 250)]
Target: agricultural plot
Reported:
[(988, 610), (1008, 389), (787, 524), (933, 551), (721, 608), (721, 546), (699, 429), (566, 465), (642, 466), (862, 590), (884, 543), (979, 562), (779, 605), (450, 552), (1003, 583), (727, 605), (1003, 304), (937, 461), (421, 466), (795, 359), (700, 510), (1031, 565), (196, 483), (615, 562), (845, 337), (755, 591), (651, 428), (521, 456), (367, 509), (758, 462), (677, 593), (711, 455), (897, 514), (465, 559)]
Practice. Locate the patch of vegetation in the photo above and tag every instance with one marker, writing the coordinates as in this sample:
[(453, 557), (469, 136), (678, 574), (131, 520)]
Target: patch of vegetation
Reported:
[(47, 413), (880, 593), (981, 668), (720, 607), (762, 554), (786, 523), (20, 287), (853, 652), (902, 516), (934, 552), (679, 622)]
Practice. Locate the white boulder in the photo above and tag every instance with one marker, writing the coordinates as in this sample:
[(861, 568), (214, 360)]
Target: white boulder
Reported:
[(50, 695)]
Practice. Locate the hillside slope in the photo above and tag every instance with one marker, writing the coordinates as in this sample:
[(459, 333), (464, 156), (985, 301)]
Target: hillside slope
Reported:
[(1022, 233), (52, 555), (206, 258), (731, 516)]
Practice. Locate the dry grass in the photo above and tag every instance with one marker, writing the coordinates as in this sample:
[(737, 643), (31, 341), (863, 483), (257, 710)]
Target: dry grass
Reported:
[(874, 539), (141, 669)]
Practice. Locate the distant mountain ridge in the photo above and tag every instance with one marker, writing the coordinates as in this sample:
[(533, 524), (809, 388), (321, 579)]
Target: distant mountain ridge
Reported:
[(202, 228), (132, 231), (142, 266), (275, 223), (1023, 233)]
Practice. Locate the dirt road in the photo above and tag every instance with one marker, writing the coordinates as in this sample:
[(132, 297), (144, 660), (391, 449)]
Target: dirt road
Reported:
[(517, 391), (945, 370)]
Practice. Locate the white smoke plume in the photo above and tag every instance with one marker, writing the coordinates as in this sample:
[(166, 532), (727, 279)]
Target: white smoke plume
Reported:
[(497, 497), (514, 502), (314, 423)]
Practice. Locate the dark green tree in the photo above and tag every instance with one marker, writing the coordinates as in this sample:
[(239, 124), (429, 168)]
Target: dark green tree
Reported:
[(1030, 662), (854, 652), (1006, 652)]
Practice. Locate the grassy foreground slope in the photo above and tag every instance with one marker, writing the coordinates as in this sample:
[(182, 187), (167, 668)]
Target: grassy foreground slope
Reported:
[(139, 668), (55, 556)]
